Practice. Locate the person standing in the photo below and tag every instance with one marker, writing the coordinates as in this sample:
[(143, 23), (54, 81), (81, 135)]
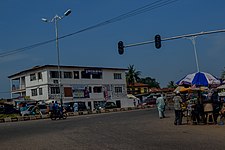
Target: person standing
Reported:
[(177, 108), (160, 102)]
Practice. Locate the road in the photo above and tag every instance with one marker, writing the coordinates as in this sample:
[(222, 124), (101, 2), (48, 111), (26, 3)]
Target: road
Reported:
[(133, 130)]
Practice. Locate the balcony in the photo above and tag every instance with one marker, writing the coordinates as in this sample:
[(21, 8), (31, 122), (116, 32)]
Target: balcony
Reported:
[(18, 87)]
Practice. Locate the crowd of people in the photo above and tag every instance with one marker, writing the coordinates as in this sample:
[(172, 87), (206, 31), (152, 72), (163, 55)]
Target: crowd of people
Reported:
[(198, 107), (55, 108)]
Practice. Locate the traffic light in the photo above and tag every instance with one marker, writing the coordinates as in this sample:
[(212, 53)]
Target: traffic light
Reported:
[(158, 41), (120, 47)]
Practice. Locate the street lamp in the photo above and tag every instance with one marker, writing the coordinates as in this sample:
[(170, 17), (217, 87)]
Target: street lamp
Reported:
[(194, 45), (55, 20)]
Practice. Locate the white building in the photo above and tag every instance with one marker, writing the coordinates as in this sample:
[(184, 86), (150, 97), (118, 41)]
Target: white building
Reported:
[(87, 84)]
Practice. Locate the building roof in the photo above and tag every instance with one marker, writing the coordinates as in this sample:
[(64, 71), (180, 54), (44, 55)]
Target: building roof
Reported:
[(35, 68), (138, 85)]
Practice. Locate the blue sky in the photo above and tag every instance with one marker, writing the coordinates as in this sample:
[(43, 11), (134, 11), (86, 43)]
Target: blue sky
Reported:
[(21, 26)]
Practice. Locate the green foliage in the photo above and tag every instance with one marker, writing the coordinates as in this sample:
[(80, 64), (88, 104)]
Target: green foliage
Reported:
[(171, 84), (150, 81), (132, 75), (2, 116)]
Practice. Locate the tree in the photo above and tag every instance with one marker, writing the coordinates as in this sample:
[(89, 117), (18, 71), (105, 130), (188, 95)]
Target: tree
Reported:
[(150, 81), (132, 75), (171, 85)]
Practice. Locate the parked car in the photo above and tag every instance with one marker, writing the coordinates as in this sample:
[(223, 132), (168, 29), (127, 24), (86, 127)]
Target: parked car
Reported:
[(150, 100), (43, 108), (106, 105), (75, 106), (79, 106), (8, 109), (28, 111), (34, 110)]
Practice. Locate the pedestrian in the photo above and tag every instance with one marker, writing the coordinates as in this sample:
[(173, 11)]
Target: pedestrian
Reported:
[(55, 108), (160, 102), (51, 107), (177, 108)]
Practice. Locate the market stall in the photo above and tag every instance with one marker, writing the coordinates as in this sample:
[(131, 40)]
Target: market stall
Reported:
[(198, 94)]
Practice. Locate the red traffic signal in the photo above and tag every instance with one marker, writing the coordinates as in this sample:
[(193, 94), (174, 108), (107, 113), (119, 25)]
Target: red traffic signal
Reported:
[(120, 47), (158, 41)]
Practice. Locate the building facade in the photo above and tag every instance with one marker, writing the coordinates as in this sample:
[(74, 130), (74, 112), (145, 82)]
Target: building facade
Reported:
[(87, 84)]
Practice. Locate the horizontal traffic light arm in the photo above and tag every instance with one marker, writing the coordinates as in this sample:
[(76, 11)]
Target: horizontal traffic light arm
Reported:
[(176, 37)]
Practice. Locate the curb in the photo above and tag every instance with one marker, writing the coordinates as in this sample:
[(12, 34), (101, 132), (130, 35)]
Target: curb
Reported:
[(36, 117)]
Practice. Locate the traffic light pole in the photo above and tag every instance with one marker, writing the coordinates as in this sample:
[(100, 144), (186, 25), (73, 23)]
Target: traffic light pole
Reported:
[(176, 37), (158, 40)]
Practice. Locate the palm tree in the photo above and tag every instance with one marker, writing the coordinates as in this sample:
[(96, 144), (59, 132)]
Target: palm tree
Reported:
[(132, 76)]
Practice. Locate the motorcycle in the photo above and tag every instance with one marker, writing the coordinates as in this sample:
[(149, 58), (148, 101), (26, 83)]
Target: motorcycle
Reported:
[(58, 115)]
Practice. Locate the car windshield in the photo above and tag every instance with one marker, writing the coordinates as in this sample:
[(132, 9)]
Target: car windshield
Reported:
[(30, 108)]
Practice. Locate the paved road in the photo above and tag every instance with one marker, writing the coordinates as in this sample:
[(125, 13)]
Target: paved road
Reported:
[(132, 130)]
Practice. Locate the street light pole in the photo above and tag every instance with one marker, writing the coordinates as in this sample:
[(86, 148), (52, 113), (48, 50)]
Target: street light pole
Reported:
[(55, 20), (194, 45)]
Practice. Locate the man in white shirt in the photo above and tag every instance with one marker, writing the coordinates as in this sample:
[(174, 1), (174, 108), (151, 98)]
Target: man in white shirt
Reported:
[(160, 102)]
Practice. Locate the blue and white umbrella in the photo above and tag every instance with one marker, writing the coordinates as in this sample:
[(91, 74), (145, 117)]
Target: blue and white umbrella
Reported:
[(199, 79)]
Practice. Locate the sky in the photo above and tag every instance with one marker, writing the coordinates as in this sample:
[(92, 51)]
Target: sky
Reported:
[(21, 26)]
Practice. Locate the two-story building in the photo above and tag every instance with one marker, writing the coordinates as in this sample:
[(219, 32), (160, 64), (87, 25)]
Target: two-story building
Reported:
[(72, 83)]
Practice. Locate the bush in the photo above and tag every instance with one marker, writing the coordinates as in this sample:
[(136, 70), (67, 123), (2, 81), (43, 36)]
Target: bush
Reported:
[(2, 116)]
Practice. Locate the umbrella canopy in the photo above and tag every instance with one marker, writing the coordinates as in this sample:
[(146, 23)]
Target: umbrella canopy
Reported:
[(190, 89), (221, 87), (199, 79), (181, 89)]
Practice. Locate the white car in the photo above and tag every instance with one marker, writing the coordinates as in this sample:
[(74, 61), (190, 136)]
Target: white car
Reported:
[(28, 111)]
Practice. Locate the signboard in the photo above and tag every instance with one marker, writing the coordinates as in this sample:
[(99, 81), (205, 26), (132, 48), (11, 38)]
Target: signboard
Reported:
[(80, 91)]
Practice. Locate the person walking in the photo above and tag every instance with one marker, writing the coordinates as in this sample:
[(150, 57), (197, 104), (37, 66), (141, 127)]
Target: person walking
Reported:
[(177, 108), (160, 102), (51, 107)]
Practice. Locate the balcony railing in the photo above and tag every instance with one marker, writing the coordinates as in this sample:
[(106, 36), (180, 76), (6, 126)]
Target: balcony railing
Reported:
[(18, 87)]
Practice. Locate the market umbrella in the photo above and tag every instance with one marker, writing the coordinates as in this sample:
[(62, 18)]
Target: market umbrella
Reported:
[(190, 89), (199, 79), (181, 89)]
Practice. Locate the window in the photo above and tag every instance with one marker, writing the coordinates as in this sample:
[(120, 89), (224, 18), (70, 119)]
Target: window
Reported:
[(117, 76), (68, 75), (33, 92), (54, 74), (118, 90), (55, 81), (32, 77), (55, 90), (85, 75), (97, 89), (97, 75), (40, 91), (39, 75), (76, 74)]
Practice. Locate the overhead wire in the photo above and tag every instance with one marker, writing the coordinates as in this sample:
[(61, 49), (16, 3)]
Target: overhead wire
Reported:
[(148, 7)]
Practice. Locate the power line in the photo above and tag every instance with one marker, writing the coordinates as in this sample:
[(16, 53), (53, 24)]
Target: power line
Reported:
[(148, 7)]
